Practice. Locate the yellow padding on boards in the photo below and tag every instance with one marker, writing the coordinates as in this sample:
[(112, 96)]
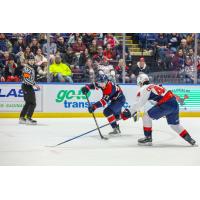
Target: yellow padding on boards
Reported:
[(51, 115), (77, 115)]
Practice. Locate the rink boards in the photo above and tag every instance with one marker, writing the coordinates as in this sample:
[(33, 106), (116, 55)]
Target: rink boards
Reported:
[(66, 100)]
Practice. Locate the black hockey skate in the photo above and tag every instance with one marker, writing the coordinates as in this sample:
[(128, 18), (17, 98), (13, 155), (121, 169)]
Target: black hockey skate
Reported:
[(22, 120), (189, 139), (145, 141), (115, 131), (30, 121)]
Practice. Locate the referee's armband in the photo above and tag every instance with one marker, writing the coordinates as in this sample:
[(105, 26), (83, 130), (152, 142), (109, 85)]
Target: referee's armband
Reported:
[(26, 75)]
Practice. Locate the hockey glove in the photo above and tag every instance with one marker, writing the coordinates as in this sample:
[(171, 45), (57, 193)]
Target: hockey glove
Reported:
[(91, 108), (126, 114), (85, 90)]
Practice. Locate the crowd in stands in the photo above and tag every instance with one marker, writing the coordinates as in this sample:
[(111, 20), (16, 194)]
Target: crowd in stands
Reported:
[(79, 57), (173, 52)]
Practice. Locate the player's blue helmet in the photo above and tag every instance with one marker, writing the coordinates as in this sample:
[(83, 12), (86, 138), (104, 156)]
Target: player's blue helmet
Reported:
[(102, 78)]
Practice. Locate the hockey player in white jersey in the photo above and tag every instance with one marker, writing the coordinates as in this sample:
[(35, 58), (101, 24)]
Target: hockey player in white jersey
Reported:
[(164, 105)]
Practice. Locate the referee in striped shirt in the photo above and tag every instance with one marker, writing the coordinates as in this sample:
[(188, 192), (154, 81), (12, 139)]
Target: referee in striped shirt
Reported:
[(28, 85)]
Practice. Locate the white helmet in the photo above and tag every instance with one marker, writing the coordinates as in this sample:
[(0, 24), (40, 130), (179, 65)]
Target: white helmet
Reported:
[(141, 79)]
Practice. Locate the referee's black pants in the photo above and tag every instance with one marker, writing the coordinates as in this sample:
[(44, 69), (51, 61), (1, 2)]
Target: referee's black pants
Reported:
[(30, 101)]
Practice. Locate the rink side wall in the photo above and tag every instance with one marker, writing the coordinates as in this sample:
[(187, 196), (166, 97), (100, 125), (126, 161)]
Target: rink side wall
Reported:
[(57, 100)]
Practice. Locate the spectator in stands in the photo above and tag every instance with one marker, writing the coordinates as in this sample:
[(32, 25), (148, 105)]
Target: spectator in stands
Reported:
[(79, 46), (12, 73), (119, 71), (174, 41), (87, 39), (140, 67), (184, 47), (86, 55), (190, 39), (109, 53), (99, 36), (161, 45), (178, 61), (5, 59), (60, 71), (19, 46), (42, 39), (119, 51), (61, 45), (52, 47), (2, 71), (93, 47), (22, 56), (27, 52), (78, 60), (39, 58), (90, 71), (42, 71), (110, 39), (5, 44), (68, 56), (99, 58), (34, 46), (73, 38), (190, 57)]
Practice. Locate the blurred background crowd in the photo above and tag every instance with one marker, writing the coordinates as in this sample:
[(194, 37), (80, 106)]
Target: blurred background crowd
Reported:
[(80, 57)]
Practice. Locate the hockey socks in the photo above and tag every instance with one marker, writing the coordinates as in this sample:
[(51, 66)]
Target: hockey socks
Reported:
[(186, 136)]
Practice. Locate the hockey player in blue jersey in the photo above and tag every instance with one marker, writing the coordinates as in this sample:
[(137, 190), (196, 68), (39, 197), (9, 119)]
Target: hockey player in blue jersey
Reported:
[(164, 105), (113, 95)]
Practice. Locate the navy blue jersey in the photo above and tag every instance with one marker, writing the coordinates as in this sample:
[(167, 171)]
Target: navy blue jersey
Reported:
[(111, 92)]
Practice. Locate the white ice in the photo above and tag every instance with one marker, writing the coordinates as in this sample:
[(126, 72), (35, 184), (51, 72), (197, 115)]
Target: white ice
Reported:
[(26, 145)]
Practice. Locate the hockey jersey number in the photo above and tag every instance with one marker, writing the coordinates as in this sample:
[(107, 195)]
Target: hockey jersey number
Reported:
[(159, 90)]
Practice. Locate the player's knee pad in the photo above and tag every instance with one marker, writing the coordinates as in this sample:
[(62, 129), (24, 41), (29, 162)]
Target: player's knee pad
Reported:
[(107, 112)]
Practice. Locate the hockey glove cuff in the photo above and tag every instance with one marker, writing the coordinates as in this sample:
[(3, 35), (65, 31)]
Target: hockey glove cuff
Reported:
[(92, 108)]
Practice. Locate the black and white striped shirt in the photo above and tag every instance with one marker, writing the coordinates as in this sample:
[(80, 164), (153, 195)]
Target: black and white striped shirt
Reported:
[(28, 74)]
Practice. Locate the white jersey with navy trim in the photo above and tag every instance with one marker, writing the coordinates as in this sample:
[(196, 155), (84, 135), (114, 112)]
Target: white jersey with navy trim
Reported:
[(148, 93)]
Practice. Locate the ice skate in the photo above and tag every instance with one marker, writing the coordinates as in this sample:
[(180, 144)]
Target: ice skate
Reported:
[(147, 141), (189, 140), (30, 121), (22, 120), (116, 131)]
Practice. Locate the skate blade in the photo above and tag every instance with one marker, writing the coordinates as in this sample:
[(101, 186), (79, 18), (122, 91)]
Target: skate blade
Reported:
[(114, 134), (31, 124), (22, 122), (145, 144)]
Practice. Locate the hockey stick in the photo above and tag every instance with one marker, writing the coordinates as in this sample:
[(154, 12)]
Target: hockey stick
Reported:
[(102, 137), (80, 135)]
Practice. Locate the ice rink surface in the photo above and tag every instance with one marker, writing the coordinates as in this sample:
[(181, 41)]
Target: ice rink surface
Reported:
[(26, 145)]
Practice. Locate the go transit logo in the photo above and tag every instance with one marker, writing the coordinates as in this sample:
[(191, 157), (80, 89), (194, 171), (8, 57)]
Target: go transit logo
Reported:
[(72, 98)]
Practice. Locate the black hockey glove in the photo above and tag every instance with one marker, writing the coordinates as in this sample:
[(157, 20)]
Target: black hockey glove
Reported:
[(84, 90), (126, 114)]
